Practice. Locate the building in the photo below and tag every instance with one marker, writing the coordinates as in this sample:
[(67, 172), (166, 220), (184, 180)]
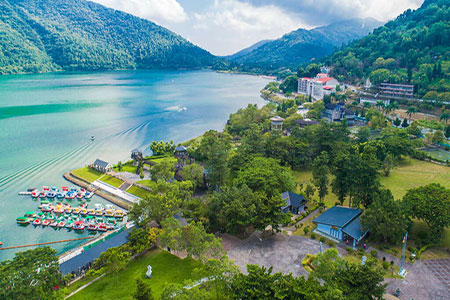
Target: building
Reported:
[(277, 123), (306, 122), (302, 110), (318, 86), (338, 113), (102, 166), (397, 90), (295, 203), (342, 224)]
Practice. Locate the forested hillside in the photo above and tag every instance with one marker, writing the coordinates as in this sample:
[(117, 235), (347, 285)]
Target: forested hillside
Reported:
[(303, 45), (415, 47), (40, 36)]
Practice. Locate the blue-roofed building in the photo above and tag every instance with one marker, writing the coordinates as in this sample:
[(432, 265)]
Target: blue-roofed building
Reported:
[(342, 224), (295, 203)]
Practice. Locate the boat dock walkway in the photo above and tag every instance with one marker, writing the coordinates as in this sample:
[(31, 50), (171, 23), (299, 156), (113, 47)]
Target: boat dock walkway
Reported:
[(78, 259), (46, 243)]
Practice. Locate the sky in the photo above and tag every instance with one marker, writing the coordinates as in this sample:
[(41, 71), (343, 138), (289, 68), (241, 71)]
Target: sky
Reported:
[(224, 27)]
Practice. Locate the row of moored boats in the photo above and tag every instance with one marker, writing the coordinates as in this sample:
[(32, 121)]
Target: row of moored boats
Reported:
[(65, 193)]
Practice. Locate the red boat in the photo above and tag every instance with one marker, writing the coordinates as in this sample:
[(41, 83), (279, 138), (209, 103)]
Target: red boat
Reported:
[(37, 222), (102, 227), (92, 227), (78, 225), (35, 194), (65, 189), (45, 222)]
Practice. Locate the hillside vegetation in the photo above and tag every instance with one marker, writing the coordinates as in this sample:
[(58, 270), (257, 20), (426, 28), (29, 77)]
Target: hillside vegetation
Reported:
[(415, 48), (303, 45), (41, 36)]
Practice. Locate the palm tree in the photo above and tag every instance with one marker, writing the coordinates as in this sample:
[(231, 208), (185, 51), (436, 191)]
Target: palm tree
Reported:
[(380, 105), (411, 111), (444, 117)]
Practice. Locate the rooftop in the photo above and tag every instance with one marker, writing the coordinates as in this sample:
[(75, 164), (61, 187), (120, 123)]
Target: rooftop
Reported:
[(276, 119), (324, 79), (180, 148), (338, 216), (354, 229), (293, 199), (101, 163)]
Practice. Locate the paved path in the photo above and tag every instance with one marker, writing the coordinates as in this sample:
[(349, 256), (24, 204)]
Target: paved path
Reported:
[(84, 286), (115, 191)]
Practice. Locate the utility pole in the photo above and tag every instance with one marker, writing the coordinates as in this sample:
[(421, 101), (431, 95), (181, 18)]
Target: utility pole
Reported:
[(402, 272)]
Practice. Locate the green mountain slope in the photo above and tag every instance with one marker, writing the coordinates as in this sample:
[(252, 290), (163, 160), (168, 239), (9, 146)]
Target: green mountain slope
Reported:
[(304, 45), (40, 36), (415, 47)]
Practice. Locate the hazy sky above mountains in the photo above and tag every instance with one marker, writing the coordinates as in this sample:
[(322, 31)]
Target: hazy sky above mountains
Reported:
[(226, 26)]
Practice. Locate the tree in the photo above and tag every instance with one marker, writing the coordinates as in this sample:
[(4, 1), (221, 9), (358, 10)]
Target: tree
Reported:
[(414, 130), (388, 164), (343, 168), (355, 282), (113, 260), (143, 291), (31, 274), (438, 137), (191, 238), (290, 84), (430, 203), (447, 132), (405, 123), (386, 218), (445, 117), (320, 174), (163, 170), (265, 175), (162, 148), (141, 239), (164, 201), (234, 208), (363, 134), (194, 173), (119, 166), (309, 191), (397, 122), (411, 111)]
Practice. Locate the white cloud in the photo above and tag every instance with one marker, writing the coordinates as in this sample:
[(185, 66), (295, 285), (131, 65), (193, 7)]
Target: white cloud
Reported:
[(159, 11), (231, 25)]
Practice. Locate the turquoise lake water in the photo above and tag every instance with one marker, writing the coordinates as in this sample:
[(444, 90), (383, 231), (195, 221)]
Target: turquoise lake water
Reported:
[(46, 122)]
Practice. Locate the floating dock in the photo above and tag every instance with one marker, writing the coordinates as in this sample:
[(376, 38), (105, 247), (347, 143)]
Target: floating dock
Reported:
[(47, 243)]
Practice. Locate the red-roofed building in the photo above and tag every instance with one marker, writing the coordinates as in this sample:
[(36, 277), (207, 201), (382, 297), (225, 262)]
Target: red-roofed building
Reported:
[(321, 85)]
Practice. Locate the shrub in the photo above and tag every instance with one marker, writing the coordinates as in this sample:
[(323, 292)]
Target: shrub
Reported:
[(374, 253), (331, 244), (313, 236), (395, 251), (392, 262), (384, 258), (385, 265), (306, 229), (322, 239), (349, 249)]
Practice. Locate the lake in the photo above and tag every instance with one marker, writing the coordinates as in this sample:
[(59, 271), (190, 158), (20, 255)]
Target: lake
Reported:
[(47, 120)]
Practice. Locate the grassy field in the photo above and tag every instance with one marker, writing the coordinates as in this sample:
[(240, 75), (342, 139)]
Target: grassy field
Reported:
[(148, 183), (167, 268), (127, 167), (111, 180), (411, 173), (137, 191), (88, 174)]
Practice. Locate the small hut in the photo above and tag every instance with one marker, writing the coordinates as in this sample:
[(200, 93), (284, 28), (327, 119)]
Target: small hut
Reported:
[(277, 123)]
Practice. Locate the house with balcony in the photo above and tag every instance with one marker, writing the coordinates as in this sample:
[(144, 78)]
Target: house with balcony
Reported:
[(396, 90), (338, 113)]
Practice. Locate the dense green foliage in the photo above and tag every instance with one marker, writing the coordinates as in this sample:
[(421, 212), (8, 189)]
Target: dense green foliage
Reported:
[(31, 274), (41, 36), (415, 48), (303, 45)]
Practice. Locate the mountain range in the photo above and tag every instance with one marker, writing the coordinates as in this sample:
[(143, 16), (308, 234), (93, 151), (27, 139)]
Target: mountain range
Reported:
[(302, 45), (42, 36)]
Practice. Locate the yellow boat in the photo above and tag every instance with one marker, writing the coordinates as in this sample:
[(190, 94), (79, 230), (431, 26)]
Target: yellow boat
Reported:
[(76, 210), (109, 213), (91, 212), (119, 214), (99, 212)]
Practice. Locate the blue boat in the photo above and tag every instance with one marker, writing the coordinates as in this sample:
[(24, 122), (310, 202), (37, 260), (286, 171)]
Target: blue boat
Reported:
[(60, 195), (51, 194)]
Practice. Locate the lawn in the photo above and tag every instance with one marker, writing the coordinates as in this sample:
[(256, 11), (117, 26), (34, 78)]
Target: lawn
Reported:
[(111, 180), (167, 268), (137, 191), (148, 183), (127, 167), (411, 173), (158, 160), (88, 174)]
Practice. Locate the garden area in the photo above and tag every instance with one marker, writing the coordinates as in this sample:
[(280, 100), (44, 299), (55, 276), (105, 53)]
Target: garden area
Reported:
[(87, 174), (111, 180), (137, 191), (167, 268)]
